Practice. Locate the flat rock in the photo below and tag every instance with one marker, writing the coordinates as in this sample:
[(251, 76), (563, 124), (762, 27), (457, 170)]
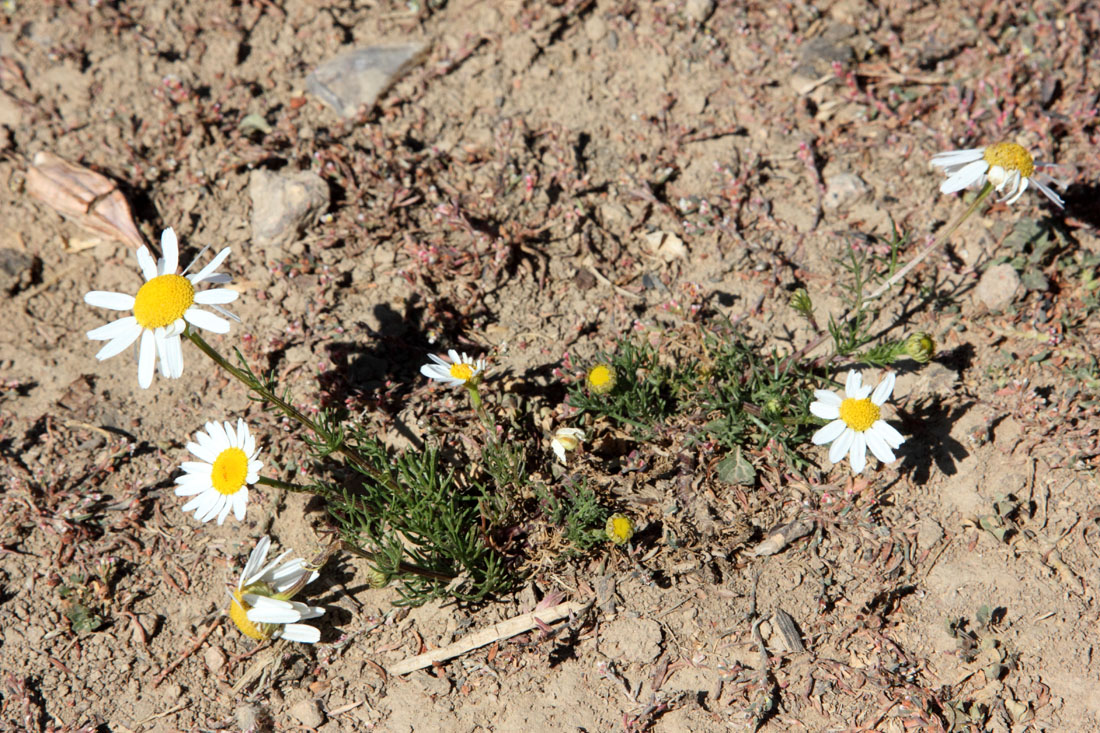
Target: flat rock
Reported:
[(284, 204), (842, 190), (307, 712), (358, 78), (998, 287)]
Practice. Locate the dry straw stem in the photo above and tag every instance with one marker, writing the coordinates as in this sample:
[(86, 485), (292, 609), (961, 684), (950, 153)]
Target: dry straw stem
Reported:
[(503, 630)]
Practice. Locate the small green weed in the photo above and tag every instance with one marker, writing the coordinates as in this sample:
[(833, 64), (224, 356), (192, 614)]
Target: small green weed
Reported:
[(576, 510)]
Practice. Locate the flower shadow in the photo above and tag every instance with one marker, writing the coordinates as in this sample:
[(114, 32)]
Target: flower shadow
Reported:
[(929, 427)]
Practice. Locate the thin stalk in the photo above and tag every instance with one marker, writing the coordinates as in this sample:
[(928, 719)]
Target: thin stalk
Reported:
[(289, 410), (277, 484), (929, 248)]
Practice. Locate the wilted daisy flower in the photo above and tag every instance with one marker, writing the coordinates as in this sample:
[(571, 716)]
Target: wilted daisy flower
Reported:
[(219, 480), (160, 309), (565, 439), (1007, 166), (601, 378), (261, 606), (455, 371), (857, 422)]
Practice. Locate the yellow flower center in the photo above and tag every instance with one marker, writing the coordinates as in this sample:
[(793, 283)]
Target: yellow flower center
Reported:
[(619, 529), (1010, 157), (601, 378), (462, 370), (859, 415), (230, 471), (163, 300), (238, 612)]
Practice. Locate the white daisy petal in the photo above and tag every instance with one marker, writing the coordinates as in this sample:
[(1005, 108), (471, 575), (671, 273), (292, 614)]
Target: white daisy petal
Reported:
[(957, 157), (207, 272), (146, 359), (968, 175), (853, 383), (824, 411), (893, 438), (118, 344), (206, 320), (169, 246), (884, 389), (829, 433), (126, 326), (107, 299), (270, 610), (147, 264), (840, 446), (256, 558), (218, 296), (303, 633), (858, 452), (827, 397), (878, 446)]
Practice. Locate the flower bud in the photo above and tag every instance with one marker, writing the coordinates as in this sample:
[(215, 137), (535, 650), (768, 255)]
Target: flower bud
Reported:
[(619, 529), (920, 346)]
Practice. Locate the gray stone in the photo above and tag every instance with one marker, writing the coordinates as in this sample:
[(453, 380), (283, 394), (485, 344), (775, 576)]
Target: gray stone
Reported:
[(699, 10), (842, 190), (998, 287), (283, 205), (358, 78)]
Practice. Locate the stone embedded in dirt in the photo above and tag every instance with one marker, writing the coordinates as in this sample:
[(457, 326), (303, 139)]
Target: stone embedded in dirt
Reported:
[(214, 659), (307, 712), (358, 78), (283, 205), (699, 10), (998, 287), (632, 640), (842, 190)]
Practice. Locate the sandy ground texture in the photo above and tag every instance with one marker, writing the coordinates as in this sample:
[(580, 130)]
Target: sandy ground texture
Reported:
[(547, 178)]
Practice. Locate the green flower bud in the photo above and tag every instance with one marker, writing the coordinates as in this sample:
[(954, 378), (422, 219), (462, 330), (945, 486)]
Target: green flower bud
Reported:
[(920, 346)]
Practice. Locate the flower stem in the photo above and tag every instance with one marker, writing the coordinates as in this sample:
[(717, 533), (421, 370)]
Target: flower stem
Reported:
[(897, 276), (277, 484), (289, 410)]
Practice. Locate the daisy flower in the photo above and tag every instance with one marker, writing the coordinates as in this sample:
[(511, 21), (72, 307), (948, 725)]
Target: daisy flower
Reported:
[(261, 606), (601, 378), (160, 309), (455, 371), (219, 480), (1007, 166), (857, 422), (566, 439)]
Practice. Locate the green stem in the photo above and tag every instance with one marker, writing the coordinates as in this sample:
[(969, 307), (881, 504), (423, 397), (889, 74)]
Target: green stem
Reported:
[(897, 276), (277, 484), (289, 410)]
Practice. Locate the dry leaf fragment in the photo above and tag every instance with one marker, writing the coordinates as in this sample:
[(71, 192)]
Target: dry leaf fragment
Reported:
[(91, 200)]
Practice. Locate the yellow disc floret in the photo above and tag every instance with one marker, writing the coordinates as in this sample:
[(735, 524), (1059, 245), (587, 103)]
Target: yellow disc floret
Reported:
[(230, 471), (601, 378), (1010, 157), (462, 370), (238, 612), (619, 529), (859, 415), (163, 300)]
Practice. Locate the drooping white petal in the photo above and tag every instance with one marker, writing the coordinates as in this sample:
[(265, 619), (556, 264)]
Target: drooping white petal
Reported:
[(955, 157), (967, 175), (147, 356), (829, 433), (858, 453), (270, 610), (840, 446), (1049, 193), (1020, 187), (108, 299), (255, 561)]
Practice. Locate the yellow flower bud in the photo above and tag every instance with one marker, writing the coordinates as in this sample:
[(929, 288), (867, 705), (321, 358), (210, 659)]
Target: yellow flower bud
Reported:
[(619, 529)]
